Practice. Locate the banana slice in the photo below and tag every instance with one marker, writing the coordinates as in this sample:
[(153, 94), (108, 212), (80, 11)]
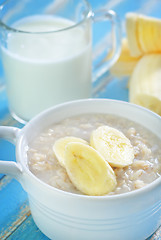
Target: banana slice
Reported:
[(145, 83), (143, 33), (113, 146), (60, 144), (126, 63), (88, 170)]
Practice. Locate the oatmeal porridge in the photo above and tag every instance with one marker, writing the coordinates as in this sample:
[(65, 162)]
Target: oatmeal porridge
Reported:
[(145, 168)]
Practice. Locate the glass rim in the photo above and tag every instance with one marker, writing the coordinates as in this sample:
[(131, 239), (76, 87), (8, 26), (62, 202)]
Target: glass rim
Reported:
[(88, 15)]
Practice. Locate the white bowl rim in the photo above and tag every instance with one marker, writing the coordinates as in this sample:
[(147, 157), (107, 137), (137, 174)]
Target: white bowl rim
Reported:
[(130, 194)]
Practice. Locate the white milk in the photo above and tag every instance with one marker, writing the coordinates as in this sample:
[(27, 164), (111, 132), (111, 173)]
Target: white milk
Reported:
[(46, 69)]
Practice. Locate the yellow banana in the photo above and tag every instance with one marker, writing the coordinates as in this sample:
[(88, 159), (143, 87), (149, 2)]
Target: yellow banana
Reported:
[(113, 145), (145, 83), (60, 144), (143, 33), (126, 63), (88, 170), (132, 34), (149, 33)]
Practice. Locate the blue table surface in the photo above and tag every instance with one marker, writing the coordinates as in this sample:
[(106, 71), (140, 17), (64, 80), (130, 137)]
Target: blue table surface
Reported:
[(16, 221)]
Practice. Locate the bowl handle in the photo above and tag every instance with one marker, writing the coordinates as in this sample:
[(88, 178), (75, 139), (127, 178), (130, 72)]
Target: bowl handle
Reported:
[(9, 167)]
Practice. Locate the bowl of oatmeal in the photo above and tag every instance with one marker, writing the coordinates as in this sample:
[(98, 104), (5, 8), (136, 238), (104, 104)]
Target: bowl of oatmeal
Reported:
[(91, 168)]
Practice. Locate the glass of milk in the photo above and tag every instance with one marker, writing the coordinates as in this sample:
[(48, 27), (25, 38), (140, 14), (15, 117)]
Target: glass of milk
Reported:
[(46, 51)]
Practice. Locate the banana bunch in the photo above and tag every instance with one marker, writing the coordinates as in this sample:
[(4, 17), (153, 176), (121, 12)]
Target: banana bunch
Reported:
[(140, 59), (89, 166)]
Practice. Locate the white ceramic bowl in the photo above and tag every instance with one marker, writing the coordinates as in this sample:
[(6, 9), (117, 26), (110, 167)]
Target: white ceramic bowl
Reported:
[(62, 215)]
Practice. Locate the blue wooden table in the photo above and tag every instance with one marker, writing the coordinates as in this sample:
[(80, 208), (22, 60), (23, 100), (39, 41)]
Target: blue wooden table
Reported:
[(16, 222)]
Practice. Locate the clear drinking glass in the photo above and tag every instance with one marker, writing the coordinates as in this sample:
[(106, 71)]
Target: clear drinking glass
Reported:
[(46, 51)]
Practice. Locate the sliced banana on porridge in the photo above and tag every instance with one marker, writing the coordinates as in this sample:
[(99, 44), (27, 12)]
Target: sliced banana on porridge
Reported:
[(114, 146), (88, 170), (60, 144)]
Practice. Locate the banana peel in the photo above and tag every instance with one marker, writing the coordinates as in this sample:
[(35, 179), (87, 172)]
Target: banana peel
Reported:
[(143, 33), (126, 63)]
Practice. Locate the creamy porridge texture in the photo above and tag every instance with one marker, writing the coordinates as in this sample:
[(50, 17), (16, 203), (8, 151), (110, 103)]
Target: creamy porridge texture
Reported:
[(146, 166)]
